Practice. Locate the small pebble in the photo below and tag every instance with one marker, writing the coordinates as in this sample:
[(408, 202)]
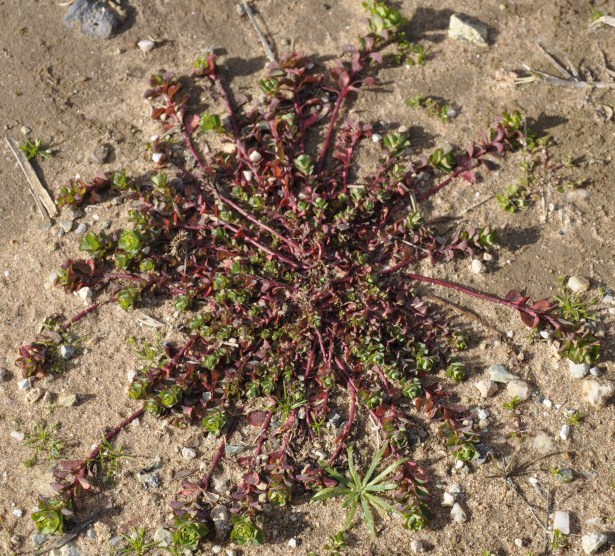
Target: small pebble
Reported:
[(448, 499), (486, 388), (561, 522), (67, 400), (17, 512), (418, 547), (461, 28), (477, 267), (518, 389), (458, 514), (376, 137), (547, 403), (593, 542), (24, 130), (18, 435), (67, 351), (216, 549), (564, 434), (519, 543), (500, 373), (66, 225), (157, 157), (292, 543), (596, 393), (188, 453), (595, 371), (163, 536), (565, 475), (248, 175), (578, 284), (146, 45), (85, 294), (255, 156), (24, 384), (81, 229), (39, 538), (578, 370)]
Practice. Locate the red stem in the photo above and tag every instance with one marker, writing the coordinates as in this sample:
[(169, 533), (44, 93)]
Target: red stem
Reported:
[(85, 312), (331, 129), (262, 434), (218, 456)]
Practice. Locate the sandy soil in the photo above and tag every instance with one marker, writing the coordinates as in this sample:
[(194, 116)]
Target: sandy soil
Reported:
[(77, 93)]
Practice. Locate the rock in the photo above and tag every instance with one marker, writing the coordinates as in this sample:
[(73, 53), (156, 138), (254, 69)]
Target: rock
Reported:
[(499, 373), (85, 294), (578, 370), (477, 267), (24, 384), (462, 28), (146, 45), (222, 522), (255, 156), (565, 475), (483, 424), (547, 403), (38, 539), (376, 137), (95, 17), (233, 449), (418, 547), (34, 395), (101, 153), (67, 351), (518, 389), (17, 435), (188, 453), (595, 371), (448, 499), (543, 444), (18, 512), (216, 549), (335, 420), (65, 225), (593, 542), (81, 229), (163, 536), (596, 393), (561, 522), (458, 514), (564, 434), (519, 543), (578, 284), (67, 400), (67, 550), (115, 541), (486, 388), (483, 413), (292, 543)]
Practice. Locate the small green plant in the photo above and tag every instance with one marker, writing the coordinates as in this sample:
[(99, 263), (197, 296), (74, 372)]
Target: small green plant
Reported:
[(110, 459), (51, 515), (575, 418), (575, 307), (210, 123), (44, 440), (246, 531), (336, 544), (512, 404), (456, 371), (433, 107), (362, 492), (559, 540), (136, 544), (35, 148), (514, 199)]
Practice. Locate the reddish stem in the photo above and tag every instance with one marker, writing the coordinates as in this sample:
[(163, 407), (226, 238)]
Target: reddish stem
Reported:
[(218, 456), (85, 312), (262, 434), (331, 129)]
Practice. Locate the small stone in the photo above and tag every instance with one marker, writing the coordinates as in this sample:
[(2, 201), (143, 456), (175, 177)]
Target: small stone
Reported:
[(188, 453), (231, 552), (38, 539), (593, 542), (543, 444), (255, 156), (486, 388), (458, 514), (461, 28), (17, 512), (595, 371), (292, 543), (578, 284), (248, 175), (547, 403), (518, 389), (376, 137), (448, 499), (216, 549), (223, 524), (565, 475), (81, 229), (67, 400), (163, 536), (67, 351), (34, 395), (335, 420), (24, 130), (500, 373), (483, 424), (564, 434), (477, 267), (578, 370), (483, 413), (233, 450), (65, 225), (18, 435), (101, 153), (94, 17), (115, 541), (146, 45), (157, 157), (85, 294), (561, 522), (596, 393), (24, 384), (90, 533), (418, 547)]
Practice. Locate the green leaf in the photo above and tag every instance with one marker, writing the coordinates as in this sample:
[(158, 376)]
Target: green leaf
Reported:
[(369, 517)]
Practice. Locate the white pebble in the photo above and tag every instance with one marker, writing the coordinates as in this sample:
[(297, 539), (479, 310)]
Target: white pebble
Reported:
[(486, 388), (255, 156), (593, 542), (519, 543), (156, 157), (547, 403), (518, 389), (564, 434), (24, 384), (578, 284), (595, 371), (596, 393), (448, 499), (376, 137), (477, 267), (483, 413), (248, 175), (188, 453), (146, 45), (561, 522), (578, 370), (417, 547), (18, 435), (458, 515), (85, 294), (292, 543), (18, 512)]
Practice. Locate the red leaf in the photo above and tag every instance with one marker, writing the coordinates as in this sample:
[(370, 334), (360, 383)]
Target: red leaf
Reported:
[(543, 305), (528, 320), (191, 123), (469, 176), (257, 418)]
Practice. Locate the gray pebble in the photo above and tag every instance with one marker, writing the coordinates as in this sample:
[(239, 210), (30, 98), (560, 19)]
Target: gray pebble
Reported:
[(101, 154), (67, 351), (163, 536), (81, 229), (462, 28), (578, 370), (95, 17), (593, 542), (39, 538), (67, 400), (233, 450), (500, 373), (222, 522), (24, 384), (65, 225)]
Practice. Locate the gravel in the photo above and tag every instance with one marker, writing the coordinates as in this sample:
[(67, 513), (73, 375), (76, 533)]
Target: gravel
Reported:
[(462, 28), (593, 542), (596, 393), (518, 389), (500, 373), (458, 514)]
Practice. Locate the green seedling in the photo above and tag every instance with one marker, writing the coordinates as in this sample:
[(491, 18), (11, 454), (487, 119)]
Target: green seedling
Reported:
[(34, 149)]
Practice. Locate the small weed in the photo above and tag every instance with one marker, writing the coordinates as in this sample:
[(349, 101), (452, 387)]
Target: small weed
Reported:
[(361, 492), (336, 544), (36, 148), (136, 544), (575, 418), (559, 540), (433, 107), (515, 198), (45, 442), (576, 307), (110, 459), (512, 404)]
